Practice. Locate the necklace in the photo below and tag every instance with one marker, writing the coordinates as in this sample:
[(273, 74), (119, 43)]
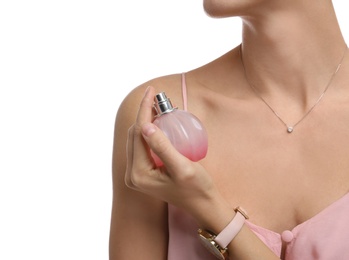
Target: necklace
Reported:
[(290, 128)]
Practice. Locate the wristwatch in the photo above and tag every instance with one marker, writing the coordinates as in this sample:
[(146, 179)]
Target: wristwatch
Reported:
[(207, 239), (217, 244)]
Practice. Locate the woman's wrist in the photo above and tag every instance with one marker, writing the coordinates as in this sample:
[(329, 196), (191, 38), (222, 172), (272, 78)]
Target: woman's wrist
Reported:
[(217, 244), (244, 244), (214, 214)]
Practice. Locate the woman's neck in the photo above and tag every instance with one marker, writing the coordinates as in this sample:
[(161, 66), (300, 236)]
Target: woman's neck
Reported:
[(294, 51)]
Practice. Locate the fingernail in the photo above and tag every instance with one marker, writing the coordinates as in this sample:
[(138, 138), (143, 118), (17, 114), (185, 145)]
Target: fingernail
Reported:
[(148, 129)]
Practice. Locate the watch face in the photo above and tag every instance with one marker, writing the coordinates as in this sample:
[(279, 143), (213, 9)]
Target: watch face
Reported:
[(211, 246)]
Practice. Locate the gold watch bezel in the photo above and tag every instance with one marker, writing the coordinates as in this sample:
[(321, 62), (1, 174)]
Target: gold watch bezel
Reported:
[(207, 238)]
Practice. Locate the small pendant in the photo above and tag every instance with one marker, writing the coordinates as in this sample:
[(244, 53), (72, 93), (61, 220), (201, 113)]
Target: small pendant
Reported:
[(289, 129)]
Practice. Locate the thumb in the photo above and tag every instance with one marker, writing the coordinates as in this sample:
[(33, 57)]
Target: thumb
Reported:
[(162, 146)]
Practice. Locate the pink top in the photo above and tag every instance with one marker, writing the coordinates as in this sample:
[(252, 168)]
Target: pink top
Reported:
[(323, 237)]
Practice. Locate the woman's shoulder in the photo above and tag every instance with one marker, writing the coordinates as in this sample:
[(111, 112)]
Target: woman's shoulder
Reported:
[(171, 84), (201, 81)]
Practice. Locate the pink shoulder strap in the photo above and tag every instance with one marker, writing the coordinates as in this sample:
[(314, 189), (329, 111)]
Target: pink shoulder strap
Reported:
[(184, 93)]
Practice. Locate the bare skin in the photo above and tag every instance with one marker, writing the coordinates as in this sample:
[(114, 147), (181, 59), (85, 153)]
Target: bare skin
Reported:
[(290, 51)]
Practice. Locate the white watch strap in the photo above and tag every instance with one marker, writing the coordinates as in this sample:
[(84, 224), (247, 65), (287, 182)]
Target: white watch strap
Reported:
[(231, 230)]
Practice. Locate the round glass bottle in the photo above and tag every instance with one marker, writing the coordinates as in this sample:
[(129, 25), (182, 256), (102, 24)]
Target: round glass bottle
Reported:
[(185, 131)]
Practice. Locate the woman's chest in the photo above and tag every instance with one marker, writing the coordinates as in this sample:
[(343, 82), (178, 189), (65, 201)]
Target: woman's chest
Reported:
[(281, 179)]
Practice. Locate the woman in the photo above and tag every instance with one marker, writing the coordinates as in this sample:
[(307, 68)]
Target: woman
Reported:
[(276, 110)]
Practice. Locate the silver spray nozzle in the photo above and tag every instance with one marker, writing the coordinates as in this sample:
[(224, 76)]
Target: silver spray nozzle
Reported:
[(163, 104)]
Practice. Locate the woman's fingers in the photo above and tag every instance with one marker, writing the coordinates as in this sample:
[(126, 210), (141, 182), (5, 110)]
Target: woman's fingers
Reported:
[(155, 138), (142, 158), (145, 112), (129, 154), (141, 171), (163, 148), (140, 165)]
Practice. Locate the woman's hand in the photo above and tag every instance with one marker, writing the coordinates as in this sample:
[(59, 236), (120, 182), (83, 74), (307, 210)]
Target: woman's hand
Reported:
[(181, 182)]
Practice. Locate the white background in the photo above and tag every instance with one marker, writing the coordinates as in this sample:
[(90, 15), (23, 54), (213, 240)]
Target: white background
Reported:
[(65, 66)]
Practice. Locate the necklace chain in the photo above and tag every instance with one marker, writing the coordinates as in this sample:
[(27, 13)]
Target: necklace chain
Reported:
[(289, 127)]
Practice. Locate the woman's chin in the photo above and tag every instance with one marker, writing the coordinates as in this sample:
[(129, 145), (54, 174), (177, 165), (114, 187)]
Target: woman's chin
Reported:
[(217, 9)]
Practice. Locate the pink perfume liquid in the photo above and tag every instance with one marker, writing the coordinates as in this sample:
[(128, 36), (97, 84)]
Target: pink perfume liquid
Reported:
[(183, 129)]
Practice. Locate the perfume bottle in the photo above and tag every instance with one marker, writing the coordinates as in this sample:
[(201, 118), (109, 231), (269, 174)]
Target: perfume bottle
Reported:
[(183, 129)]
